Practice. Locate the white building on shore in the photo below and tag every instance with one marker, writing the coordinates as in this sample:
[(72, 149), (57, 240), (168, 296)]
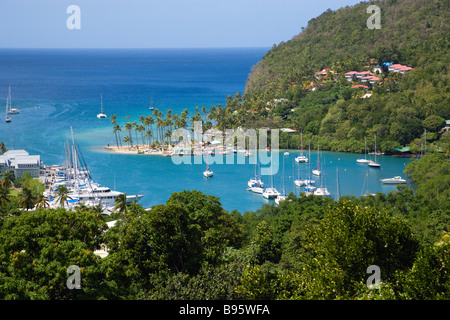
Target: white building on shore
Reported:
[(19, 162)]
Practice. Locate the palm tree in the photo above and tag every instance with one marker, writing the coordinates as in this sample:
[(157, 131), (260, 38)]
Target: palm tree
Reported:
[(134, 124), (128, 127), (62, 195), (7, 179), (113, 119), (140, 128), (42, 201), (116, 129), (26, 199), (127, 140), (4, 196), (3, 147), (121, 203), (149, 135)]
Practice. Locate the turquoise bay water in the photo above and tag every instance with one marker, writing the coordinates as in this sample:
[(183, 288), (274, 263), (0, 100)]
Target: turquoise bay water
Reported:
[(59, 89)]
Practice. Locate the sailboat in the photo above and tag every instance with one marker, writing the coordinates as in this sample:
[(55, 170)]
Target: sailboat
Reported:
[(367, 192), (255, 184), (10, 110), (301, 157), (286, 153), (309, 183), (364, 160), (208, 173), (271, 192), (316, 171), (151, 104), (282, 196), (321, 191), (101, 115), (375, 164), (8, 118)]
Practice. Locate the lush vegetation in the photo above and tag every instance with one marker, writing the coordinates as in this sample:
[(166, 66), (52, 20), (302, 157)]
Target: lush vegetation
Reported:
[(191, 248)]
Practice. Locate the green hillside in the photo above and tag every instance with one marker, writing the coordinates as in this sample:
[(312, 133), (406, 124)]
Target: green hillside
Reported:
[(282, 89)]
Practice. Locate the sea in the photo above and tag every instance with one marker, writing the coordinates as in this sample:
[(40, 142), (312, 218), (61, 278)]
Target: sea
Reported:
[(59, 91)]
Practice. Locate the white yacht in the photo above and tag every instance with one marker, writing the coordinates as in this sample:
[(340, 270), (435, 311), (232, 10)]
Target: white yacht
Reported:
[(394, 180), (101, 115)]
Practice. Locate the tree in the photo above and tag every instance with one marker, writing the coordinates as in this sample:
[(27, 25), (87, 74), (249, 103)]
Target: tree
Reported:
[(121, 203), (62, 195), (36, 248), (4, 196), (26, 199), (2, 147), (7, 178), (349, 239), (265, 246), (433, 123), (42, 201)]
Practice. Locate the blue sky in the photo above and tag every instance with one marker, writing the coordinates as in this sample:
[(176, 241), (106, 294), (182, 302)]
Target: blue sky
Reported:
[(157, 23)]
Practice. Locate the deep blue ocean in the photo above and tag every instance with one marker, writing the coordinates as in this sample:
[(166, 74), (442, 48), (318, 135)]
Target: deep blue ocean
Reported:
[(59, 89)]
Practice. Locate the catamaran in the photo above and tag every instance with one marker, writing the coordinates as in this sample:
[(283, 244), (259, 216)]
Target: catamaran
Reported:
[(301, 157), (255, 182), (271, 192), (208, 173), (101, 115)]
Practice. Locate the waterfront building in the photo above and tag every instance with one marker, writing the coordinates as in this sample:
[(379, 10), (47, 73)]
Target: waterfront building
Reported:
[(19, 162)]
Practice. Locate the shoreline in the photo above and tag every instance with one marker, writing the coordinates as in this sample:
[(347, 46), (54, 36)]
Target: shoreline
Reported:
[(145, 150), (137, 149)]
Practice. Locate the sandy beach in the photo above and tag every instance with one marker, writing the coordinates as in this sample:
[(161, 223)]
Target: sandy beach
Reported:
[(139, 149)]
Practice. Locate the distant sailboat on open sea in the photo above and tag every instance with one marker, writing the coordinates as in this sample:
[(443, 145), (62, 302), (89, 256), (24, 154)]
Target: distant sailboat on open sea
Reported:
[(9, 109), (101, 115)]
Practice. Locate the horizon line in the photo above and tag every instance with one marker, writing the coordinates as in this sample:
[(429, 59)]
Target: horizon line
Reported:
[(132, 48)]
